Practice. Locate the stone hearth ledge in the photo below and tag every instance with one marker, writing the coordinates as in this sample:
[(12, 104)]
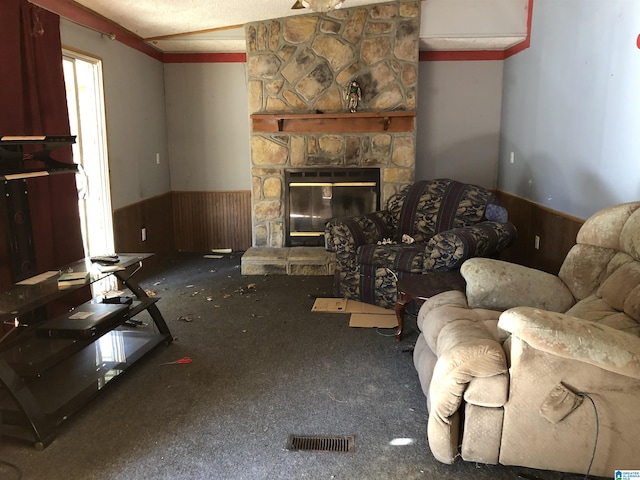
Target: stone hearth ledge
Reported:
[(288, 261)]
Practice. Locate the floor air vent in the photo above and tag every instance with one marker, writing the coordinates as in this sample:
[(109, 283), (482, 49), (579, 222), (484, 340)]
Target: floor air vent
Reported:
[(321, 443)]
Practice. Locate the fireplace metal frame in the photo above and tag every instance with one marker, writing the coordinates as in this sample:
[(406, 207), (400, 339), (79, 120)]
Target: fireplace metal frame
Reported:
[(329, 176)]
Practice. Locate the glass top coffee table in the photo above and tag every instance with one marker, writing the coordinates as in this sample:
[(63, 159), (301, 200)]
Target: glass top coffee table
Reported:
[(422, 287)]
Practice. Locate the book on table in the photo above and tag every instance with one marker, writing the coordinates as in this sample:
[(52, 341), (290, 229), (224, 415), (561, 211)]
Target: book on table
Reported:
[(68, 279), (106, 268)]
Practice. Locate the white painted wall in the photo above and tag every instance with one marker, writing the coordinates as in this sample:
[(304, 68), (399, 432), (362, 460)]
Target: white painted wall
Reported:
[(458, 134), (208, 126), (135, 111), (571, 108)]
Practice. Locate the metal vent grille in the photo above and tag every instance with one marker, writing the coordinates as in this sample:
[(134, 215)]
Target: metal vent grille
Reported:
[(321, 443)]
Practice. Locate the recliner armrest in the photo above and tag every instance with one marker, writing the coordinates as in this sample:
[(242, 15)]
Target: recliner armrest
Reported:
[(449, 249), (499, 285), (576, 339), (466, 351)]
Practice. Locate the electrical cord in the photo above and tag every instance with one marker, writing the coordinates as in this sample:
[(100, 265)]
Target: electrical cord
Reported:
[(395, 276), (379, 330), (595, 443)]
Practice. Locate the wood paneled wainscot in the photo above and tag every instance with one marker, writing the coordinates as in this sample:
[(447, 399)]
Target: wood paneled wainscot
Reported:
[(155, 216), (185, 221), (207, 220), (556, 231)]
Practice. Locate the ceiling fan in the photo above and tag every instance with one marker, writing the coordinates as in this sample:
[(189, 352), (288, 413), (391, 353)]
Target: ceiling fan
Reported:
[(317, 5)]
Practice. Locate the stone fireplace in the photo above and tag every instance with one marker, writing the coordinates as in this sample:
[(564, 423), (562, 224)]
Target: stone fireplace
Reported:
[(298, 69)]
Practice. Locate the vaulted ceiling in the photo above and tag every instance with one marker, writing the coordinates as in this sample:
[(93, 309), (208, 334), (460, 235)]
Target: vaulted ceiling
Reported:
[(213, 26)]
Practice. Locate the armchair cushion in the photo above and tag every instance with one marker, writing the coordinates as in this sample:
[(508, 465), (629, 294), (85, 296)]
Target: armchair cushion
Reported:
[(449, 249), (360, 230), (444, 251), (496, 213), (345, 235), (427, 207), (398, 256)]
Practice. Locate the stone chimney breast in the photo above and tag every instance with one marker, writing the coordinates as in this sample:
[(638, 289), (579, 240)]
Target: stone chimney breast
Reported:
[(303, 65)]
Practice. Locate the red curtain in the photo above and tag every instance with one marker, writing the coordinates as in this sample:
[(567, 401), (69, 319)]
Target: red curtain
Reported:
[(33, 102)]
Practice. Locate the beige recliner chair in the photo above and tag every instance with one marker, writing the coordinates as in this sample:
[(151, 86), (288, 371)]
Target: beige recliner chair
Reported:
[(539, 370)]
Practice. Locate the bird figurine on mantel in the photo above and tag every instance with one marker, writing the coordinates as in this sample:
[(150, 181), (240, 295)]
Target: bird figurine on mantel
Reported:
[(353, 94)]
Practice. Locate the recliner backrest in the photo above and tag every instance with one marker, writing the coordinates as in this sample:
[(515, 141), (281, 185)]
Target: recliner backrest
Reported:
[(606, 241)]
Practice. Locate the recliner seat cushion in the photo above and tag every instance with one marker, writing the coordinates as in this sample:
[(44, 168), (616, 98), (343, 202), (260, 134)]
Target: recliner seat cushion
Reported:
[(595, 309)]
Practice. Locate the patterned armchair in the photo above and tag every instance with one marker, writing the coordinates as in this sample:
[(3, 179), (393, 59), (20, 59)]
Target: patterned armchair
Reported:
[(449, 222)]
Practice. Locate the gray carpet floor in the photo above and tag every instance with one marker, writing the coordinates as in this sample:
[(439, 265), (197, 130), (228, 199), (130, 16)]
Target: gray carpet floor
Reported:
[(264, 366)]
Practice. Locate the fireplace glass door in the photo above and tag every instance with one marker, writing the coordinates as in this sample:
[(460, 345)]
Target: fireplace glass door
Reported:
[(312, 200)]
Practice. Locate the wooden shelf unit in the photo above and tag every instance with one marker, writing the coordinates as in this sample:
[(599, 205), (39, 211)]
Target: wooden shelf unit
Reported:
[(359, 122)]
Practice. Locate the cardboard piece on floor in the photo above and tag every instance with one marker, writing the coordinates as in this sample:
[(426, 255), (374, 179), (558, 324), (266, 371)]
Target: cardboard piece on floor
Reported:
[(335, 305), (343, 305), (365, 320), (353, 306), (363, 315)]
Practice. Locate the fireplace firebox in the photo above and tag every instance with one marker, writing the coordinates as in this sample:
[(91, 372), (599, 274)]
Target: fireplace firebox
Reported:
[(313, 196)]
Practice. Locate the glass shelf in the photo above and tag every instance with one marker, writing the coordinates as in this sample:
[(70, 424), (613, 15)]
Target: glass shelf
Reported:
[(26, 296), (44, 380), (65, 387)]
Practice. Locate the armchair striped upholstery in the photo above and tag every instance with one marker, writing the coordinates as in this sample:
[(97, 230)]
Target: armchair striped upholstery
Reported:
[(446, 218)]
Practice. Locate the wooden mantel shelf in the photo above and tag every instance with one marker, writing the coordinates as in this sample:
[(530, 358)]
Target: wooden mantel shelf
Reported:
[(359, 122)]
